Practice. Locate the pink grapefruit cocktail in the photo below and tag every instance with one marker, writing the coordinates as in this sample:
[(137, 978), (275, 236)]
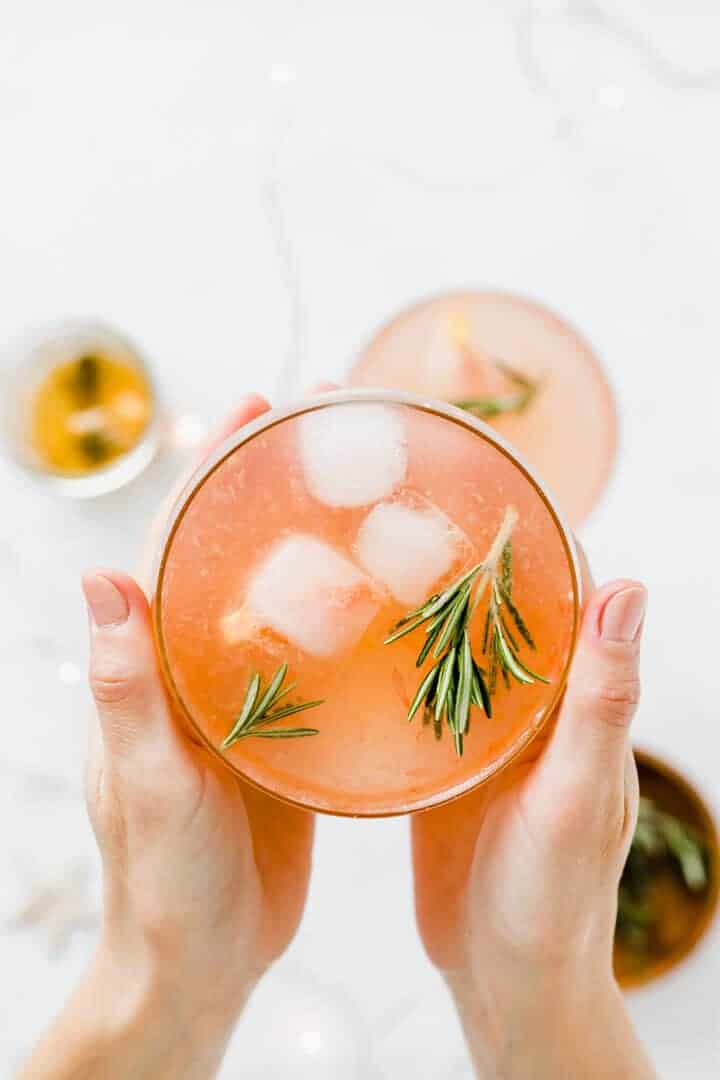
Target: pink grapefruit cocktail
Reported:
[(305, 541)]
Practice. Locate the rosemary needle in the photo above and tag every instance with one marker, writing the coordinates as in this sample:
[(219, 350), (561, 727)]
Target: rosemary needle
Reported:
[(258, 710), (488, 407)]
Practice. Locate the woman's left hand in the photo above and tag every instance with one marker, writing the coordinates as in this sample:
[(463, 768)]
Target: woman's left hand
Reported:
[(205, 878)]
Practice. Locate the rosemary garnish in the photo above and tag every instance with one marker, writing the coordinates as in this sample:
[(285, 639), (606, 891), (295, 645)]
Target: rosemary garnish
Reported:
[(96, 446), (488, 407), (524, 388), (660, 841), (456, 681), (259, 710), (85, 378)]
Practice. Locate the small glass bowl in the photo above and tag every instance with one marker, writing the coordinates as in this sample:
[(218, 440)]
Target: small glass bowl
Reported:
[(25, 366)]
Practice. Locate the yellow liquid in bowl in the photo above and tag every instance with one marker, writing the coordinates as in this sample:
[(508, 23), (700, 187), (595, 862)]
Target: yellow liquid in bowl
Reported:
[(87, 412)]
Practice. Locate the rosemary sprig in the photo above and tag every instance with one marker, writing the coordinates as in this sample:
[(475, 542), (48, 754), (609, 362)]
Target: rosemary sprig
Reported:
[(488, 407), (84, 379), (259, 710), (524, 388), (96, 446), (660, 841), (456, 681)]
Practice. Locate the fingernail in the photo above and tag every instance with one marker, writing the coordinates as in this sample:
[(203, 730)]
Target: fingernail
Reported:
[(623, 614), (106, 604)]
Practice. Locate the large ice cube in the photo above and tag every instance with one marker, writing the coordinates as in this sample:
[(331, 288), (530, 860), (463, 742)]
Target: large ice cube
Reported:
[(87, 421), (408, 544), (310, 595), (353, 454)]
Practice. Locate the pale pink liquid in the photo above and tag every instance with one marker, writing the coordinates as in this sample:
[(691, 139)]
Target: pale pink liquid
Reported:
[(367, 759), (568, 432)]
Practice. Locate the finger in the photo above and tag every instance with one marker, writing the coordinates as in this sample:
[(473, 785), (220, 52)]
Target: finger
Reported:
[(632, 796), (587, 582), (592, 735), (324, 388), (248, 409), (131, 705), (93, 769), (282, 844), (443, 845)]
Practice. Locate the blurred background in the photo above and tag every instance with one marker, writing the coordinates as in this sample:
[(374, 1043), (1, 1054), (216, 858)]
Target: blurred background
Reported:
[(250, 191)]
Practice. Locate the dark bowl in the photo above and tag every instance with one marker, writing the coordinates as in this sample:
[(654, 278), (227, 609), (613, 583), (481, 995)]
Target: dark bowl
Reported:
[(690, 916)]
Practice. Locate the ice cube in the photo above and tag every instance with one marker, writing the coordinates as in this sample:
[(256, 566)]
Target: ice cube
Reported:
[(353, 454), (408, 544), (129, 406), (87, 421), (310, 595)]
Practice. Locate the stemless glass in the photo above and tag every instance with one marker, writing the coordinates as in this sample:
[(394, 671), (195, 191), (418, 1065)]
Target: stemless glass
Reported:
[(28, 362), (254, 521)]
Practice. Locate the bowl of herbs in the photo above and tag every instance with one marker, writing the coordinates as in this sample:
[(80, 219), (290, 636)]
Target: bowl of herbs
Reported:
[(669, 888)]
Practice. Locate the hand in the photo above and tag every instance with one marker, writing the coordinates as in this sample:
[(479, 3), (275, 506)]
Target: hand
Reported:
[(205, 878), (516, 884)]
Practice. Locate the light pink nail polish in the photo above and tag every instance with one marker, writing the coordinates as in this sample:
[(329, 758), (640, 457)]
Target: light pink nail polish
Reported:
[(106, 604), (623, 614)]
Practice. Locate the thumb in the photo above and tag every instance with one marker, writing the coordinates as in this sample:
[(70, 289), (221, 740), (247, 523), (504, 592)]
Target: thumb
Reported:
[(593, 730), (124, 680)]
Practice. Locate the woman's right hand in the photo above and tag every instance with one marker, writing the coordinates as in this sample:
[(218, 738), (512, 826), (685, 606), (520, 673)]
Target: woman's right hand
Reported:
[(516, 884)]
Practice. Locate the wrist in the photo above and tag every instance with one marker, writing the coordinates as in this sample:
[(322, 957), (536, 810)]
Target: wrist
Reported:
[(551, 1027), (178, 1025), (126, 1019)]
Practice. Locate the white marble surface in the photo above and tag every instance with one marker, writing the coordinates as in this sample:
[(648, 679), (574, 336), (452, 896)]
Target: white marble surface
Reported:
[(249, 189)]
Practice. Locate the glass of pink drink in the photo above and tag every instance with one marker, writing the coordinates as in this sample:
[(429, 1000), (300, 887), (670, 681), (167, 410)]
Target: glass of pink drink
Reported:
[(304, 541), (521, 368)]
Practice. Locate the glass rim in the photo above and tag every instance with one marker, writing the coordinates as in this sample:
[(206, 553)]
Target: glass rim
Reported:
[(18, 356), (273, 418)]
